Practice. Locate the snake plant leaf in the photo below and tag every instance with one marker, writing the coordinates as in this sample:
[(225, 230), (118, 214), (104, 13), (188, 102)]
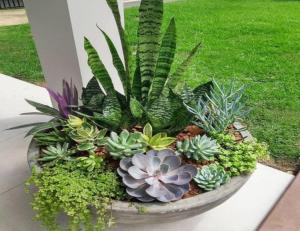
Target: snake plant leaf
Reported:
[(91, 89), (98, 68), (136, 108), (164, 62), (203, 89), (175, 77), (150, 14), (117, 62), (92, 96), (136, 88), (113, 5), (112, 112), (163, 112), (44, 108)]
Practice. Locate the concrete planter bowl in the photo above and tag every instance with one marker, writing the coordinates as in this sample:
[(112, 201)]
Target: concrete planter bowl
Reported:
[(129, 213)]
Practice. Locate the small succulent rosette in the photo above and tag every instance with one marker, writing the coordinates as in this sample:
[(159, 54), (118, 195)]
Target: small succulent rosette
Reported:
[(156, 175)]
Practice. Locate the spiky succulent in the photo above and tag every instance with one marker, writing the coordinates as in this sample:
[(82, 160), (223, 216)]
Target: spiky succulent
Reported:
[(56, 153), (199, 148), (211, 177), (156, 175), (125, 145), (216, 110), (88, 137), (158, 141)]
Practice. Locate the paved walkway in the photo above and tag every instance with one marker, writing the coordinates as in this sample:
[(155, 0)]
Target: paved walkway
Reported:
[(243, 212), (18, 16), (13, 17)]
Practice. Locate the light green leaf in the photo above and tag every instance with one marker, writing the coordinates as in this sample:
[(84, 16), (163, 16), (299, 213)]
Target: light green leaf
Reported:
[(147, 131), (136, 108)]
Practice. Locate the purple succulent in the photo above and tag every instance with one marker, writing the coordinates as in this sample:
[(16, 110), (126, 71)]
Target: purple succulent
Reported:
[(67, 100), (156, 175)]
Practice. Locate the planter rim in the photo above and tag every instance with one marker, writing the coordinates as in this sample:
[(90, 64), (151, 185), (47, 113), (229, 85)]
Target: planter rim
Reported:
[(193, 203)]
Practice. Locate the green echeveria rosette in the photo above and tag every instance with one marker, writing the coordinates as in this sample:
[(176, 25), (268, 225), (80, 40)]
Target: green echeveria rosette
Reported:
[(199, 148), (211, 177), (125, 145)]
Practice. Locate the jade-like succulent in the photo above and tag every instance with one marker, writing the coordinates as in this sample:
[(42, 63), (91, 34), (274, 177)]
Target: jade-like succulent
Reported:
[(156, 175), (88, 137), (56, 153), (211, 177), (199, 148), (125, 145), (90, 162), (159, 141)]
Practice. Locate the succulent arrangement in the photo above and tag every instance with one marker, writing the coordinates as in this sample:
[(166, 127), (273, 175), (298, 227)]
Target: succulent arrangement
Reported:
[(136, 146)]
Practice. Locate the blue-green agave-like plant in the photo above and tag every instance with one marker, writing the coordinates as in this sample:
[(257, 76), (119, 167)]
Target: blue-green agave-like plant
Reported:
[(148, 92)]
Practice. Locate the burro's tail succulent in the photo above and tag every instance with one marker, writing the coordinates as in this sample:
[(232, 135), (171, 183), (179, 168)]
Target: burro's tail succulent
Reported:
[(156, 175)]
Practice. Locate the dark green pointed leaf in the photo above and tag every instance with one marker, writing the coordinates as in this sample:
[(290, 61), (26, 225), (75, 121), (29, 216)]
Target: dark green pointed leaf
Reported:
[(112, 113), (164, 62), (98, 68), (113, 4), (137, 83), (47, 110), (168, 112), (175, 77), (203, 89), (43, 127), (136, 108), (118, 65), (151, 14)]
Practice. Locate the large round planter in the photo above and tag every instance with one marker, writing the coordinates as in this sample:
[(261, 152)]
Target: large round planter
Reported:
[(130, 213)]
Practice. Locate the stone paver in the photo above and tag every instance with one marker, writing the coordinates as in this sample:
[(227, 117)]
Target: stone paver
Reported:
[(243, 212), (13, 17)]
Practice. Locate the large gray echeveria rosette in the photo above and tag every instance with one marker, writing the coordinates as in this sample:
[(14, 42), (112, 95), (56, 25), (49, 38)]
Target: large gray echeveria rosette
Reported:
[(156, 175)]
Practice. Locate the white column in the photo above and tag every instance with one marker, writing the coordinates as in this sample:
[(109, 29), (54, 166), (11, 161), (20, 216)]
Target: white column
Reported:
[(59, 27)]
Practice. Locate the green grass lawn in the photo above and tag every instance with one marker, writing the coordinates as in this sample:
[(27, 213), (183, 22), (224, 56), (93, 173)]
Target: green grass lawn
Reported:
[(255, 42)]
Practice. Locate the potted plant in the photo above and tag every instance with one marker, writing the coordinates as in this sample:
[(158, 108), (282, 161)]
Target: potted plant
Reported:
[(162, 152)]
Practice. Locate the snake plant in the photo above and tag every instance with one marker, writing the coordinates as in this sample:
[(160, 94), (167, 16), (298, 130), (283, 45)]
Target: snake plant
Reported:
[(149, 96)]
